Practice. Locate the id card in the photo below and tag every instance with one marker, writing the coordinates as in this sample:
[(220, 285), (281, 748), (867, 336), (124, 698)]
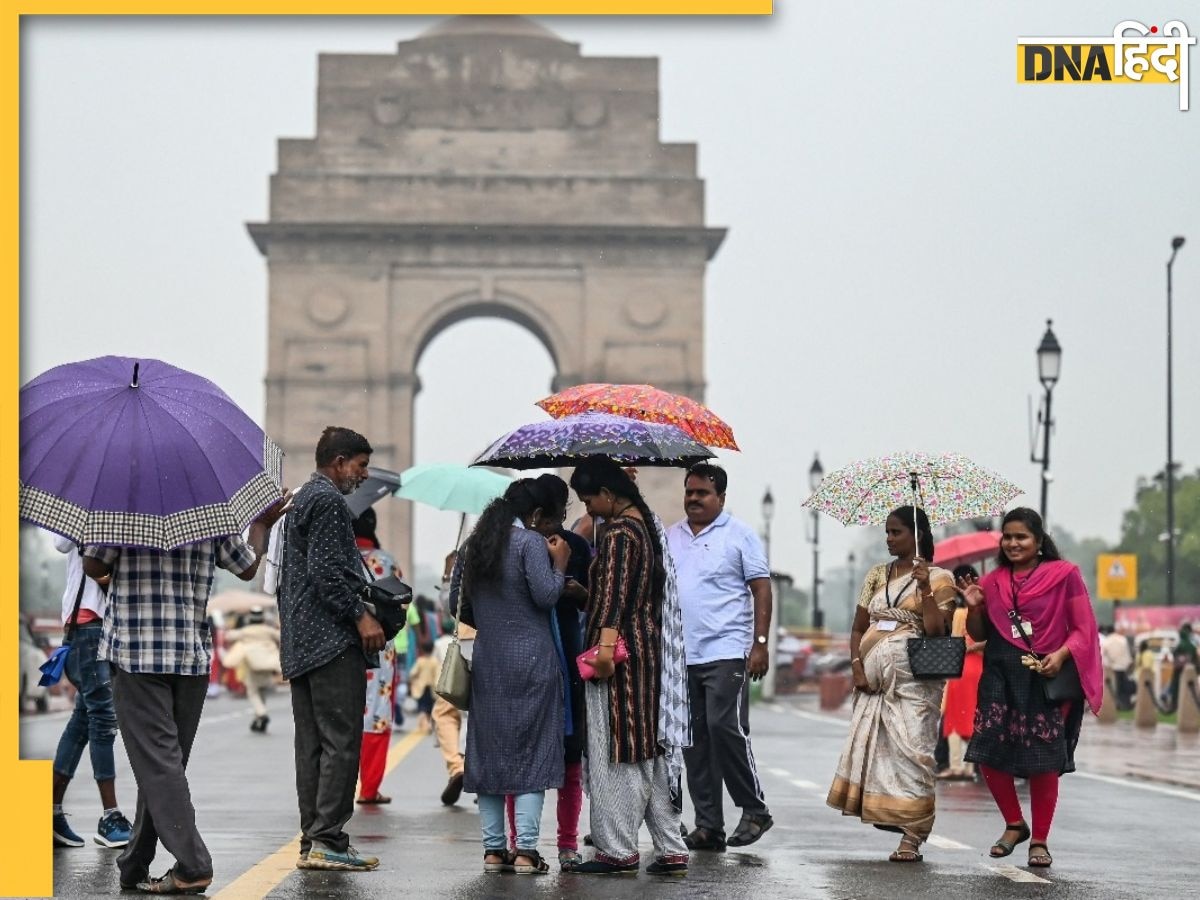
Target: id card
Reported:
[(1016, 633), (886, 625)]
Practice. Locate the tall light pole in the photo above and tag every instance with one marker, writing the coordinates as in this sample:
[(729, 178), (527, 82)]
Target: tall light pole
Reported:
[(815, 475), (1176, 243), (768, 512), (850, 561), (1049, 360), (768, 682)]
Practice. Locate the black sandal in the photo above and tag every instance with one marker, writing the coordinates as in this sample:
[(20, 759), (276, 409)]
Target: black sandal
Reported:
[(539, 866), (1007, 847), (1041, 860), (505, 865), (749, 830)]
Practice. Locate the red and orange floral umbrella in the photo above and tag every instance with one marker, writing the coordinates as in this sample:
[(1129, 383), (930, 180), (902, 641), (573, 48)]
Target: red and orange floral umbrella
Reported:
[(647, 403)]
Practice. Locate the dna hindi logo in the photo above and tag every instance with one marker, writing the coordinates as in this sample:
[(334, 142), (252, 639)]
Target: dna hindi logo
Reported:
[(1132, 54)]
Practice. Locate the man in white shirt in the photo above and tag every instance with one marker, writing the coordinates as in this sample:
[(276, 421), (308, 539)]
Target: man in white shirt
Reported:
[(1116, 655), (725, 595)]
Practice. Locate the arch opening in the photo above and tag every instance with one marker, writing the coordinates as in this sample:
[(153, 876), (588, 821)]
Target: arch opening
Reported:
[(480, 374)]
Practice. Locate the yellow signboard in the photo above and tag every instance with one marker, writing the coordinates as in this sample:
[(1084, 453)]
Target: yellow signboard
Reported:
[(1116, 576)]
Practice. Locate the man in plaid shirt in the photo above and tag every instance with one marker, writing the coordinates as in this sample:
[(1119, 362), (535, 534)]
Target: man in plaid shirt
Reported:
[(157, 641)]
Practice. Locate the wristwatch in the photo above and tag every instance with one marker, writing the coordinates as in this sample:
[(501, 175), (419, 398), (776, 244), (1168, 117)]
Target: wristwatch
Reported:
[(761, 639)]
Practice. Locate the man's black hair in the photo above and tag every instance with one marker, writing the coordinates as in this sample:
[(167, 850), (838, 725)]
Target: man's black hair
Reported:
[(715, 474), (336, 441)]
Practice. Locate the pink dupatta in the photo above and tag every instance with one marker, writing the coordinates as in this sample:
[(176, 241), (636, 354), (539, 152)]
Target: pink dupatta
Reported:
[(1054, 600)]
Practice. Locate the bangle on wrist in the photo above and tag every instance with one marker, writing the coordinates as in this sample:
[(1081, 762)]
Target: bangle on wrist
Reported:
[(856, 659)]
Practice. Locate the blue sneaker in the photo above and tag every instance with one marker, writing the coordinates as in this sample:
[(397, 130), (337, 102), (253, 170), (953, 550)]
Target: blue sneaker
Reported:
[(113, 830), (63, 835)]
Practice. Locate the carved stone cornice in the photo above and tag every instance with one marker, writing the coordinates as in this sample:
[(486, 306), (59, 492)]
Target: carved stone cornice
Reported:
[(266, 233)]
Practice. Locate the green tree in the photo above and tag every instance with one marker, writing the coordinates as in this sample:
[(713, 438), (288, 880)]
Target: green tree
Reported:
[(1143, 529)]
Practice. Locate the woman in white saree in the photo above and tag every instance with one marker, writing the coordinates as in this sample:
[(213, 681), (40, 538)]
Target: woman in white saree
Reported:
[(886, 772)]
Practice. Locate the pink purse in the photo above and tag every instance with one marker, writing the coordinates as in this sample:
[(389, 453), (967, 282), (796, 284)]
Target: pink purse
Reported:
[(586, 659)]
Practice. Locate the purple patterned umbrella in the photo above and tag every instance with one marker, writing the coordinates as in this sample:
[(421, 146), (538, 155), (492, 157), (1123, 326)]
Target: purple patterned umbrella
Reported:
[(566, 441), (135, 452)]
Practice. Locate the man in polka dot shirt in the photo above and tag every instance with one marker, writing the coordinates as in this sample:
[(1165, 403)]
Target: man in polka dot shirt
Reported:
[(327, 642)]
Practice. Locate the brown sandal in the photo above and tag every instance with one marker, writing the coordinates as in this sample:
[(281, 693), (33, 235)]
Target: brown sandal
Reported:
[(907, 856)]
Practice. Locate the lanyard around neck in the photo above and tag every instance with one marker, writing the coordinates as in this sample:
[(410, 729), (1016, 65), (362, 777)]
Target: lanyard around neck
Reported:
[(1016, 588), (887, 588)]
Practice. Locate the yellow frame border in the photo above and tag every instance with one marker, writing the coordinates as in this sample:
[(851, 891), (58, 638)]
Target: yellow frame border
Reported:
[(26, 851)]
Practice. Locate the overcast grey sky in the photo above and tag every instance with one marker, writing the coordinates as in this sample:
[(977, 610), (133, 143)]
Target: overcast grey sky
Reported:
[(903, 218)]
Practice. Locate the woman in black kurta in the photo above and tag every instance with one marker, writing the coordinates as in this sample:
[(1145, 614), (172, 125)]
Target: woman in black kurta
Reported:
[(628, 777)]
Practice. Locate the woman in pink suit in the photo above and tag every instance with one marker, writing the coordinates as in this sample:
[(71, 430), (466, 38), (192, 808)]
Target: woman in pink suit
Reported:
[(1034, 612)]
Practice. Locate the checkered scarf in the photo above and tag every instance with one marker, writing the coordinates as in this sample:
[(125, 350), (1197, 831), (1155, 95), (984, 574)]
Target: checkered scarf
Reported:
[(674, 713)]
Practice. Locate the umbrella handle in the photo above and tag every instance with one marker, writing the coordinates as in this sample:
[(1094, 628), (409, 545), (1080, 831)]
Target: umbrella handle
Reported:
[(916, 523)]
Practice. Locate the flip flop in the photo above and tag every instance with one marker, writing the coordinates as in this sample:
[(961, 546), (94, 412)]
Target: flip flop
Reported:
[(906, 856)]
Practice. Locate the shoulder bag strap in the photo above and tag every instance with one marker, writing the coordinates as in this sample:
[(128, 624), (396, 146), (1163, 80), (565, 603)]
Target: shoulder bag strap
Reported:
[(1015, 617), (69, 631)]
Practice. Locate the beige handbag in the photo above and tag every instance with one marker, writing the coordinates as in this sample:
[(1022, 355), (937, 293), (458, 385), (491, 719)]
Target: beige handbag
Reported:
[(454, 681)]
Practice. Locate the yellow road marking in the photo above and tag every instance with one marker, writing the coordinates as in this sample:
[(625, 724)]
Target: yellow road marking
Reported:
[(266, 875)]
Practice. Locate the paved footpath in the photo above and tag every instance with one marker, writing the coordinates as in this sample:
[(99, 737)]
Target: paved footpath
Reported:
[(1115, 838)]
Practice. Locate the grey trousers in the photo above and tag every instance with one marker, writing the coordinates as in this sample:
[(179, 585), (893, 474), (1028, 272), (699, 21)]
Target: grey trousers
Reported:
[(327, 705), (158, 716), (623, 795), (720, 751)]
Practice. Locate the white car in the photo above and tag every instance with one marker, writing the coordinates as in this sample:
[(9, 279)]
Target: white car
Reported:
[(32, 657)]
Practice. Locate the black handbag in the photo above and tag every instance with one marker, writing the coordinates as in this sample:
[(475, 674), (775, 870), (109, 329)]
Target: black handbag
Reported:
[(1065, 687), (936, 657), (387, 600)]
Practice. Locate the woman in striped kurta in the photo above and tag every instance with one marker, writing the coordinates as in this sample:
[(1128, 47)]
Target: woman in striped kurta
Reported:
[(628, 778)]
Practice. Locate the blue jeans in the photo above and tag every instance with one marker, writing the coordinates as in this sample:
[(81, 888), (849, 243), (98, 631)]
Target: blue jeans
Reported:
[(93, 722), (528, 816)]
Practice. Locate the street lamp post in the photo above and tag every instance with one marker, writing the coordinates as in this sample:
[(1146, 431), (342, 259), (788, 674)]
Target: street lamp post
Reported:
[(768, 682), (1049, 360), (1176, 243), (850, 561), (768, 513), (815, 475)]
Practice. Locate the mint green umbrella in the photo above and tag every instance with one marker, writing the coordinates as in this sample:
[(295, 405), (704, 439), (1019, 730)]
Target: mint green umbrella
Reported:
[(449, 486)]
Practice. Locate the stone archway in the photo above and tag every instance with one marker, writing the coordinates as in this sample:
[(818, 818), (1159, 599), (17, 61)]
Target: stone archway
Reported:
[(485, 168)]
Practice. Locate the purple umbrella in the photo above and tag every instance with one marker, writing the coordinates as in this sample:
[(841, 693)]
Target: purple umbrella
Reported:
[(566, 441), (139, 453)]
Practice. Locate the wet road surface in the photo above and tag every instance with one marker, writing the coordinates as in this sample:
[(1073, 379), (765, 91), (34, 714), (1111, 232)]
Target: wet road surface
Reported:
[(1113, 839)]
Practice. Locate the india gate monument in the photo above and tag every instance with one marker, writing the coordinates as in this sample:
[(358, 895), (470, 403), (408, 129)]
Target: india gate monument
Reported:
[(487, 168)]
